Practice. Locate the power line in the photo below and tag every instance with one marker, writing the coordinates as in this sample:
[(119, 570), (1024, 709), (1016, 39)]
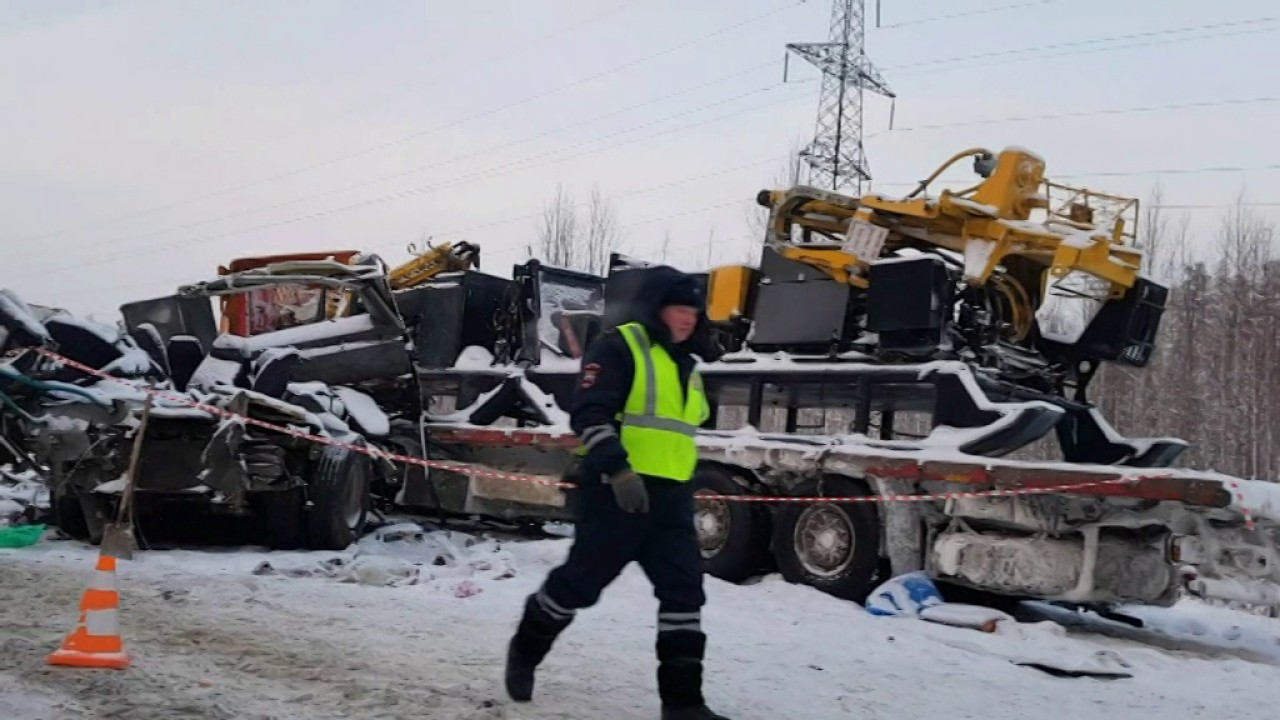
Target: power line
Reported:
[(471, 65), (1116, 173), (229, 190), (972, 66), (552, 131), (421, 189), (1192, 171), (454, 123), (458, 232), (536, 214), (738, 201), (457, 158), (615, 196), (1080, 114), (956, 16), (1076, 43), (1220, 206), (1210, 36)]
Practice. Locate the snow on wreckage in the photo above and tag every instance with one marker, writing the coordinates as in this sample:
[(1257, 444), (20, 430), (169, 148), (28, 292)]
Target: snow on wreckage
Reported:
[(884, 384), (201, 445)]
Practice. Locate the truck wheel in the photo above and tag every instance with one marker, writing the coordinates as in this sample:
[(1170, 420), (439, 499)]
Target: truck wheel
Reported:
[(834, 547), (733, 536), (339, 493), (68, 515), (282, 518)]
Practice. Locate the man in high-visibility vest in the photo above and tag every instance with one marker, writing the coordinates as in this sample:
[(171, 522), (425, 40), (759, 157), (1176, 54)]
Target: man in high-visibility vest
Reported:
[(637, 407)]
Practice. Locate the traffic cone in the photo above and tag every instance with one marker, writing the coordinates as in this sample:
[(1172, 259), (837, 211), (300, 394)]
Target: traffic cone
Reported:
[(96, 641)]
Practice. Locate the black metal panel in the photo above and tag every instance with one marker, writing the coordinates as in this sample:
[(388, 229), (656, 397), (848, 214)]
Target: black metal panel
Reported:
[(173, 315), (800, 314), (1084, 440), (779, 269), (1125, 330), (908, 302), (411, 303), (455, 312)]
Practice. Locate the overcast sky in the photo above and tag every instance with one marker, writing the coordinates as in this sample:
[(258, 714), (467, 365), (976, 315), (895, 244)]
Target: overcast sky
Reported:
[(149, 141)]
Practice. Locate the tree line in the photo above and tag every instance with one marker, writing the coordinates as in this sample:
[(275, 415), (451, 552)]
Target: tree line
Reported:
[(1215, 377)]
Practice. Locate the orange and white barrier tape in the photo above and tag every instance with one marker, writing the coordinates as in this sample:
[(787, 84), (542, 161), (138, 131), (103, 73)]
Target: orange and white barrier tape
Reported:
[(473, 471)]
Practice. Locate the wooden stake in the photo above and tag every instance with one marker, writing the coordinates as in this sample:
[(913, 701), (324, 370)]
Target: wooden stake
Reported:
[(118, 539)]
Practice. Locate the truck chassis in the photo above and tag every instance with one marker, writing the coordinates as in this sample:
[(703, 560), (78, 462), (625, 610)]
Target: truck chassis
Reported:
[(948, 502)]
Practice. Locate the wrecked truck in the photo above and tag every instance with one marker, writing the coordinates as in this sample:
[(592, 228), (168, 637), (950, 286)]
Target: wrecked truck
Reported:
[(201, 445), (846, 470)]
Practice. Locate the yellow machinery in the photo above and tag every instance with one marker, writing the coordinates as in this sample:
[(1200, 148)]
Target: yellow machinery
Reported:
[(433, 261), (1029, 262)]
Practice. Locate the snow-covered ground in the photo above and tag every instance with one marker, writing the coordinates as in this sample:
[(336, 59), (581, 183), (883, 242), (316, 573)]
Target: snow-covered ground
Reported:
[(416, 627)]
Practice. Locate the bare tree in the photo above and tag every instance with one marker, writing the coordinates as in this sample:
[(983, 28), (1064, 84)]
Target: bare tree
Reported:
[(602, 234), (565, 240), (1214, 381), (558, 234)]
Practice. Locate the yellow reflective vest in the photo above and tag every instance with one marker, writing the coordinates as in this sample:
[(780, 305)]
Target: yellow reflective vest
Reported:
[(660, 419)]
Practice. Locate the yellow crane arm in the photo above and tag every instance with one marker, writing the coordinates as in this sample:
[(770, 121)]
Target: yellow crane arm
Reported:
[(440, 259)]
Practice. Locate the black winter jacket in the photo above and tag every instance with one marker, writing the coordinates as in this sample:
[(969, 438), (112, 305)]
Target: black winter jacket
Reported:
[(604, 380)]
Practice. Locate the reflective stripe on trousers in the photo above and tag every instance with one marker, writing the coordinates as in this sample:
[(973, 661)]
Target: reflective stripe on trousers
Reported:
[(677, 621)]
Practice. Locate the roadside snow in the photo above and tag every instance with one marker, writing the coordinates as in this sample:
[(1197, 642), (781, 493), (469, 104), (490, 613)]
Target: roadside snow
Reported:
[(413, 624)]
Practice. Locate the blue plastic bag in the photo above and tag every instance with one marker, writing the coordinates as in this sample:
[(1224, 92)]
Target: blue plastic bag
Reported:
[(904, 595)]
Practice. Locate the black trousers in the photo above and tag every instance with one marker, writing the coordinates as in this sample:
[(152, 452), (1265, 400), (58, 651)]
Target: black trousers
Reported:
[(665, 544)]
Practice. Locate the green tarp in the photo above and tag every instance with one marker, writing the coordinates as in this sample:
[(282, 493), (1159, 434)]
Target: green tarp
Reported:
[(16, 536)]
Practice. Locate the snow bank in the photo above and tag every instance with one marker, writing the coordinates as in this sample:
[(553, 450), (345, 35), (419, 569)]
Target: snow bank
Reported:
[(1194, 621)]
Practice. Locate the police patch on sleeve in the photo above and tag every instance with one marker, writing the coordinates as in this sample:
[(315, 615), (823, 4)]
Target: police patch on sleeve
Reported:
[(589, 374)]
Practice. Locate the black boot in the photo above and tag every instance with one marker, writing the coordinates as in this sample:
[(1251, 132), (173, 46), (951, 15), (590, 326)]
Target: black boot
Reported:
[(697, 712), (680, 654), (534, 636)]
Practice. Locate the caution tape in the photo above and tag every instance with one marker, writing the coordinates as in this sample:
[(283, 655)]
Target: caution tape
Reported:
[(474, 471)]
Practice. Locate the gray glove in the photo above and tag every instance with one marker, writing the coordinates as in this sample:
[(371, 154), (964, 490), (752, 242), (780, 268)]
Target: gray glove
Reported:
[(629, 491)]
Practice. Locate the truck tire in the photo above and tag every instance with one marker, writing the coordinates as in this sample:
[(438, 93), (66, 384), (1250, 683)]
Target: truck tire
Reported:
[(282, 513), (68, 515), (733, 536), (339, 494), (834, 547)]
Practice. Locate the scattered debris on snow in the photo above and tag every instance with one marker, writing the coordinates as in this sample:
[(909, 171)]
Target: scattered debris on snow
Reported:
[(18, 492), (408, 554)]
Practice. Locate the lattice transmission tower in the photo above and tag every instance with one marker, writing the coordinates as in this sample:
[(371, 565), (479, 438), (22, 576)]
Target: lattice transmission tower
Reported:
[(835, 156)]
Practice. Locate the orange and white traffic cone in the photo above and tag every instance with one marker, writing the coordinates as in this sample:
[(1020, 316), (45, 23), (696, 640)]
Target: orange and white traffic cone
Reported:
[(96, 641)]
